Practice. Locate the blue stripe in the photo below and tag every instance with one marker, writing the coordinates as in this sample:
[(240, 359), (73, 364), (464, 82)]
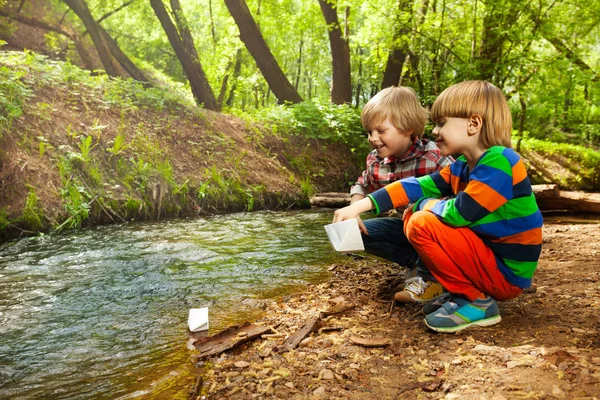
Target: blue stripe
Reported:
[(511, 156), (412, 189), (522, 189), (515, 251), (469, 209), (509, 227), (382, 200), (459, 168), (511, 277), (495, 178)]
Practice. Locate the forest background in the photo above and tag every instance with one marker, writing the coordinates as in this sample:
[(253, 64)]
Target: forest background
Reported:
[(114, 110)]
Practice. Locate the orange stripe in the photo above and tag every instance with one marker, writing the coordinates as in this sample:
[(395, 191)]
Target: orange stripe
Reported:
[(430, 203), (485, 195), (519, 172), (455, 183), (397, 194), (532, 236), (446, 174)]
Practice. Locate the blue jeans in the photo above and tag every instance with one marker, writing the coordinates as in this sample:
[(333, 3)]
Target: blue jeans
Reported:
[(386, 239)]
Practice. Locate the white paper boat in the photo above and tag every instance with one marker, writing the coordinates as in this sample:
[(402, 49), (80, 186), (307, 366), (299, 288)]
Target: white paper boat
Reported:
[(198, 319), (345, 236)]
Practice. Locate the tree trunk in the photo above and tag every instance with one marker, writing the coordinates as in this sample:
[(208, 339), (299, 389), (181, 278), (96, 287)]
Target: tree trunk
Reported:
[(121, 58), (258, 48), (398, 53), (193, 70), (81, 9), (236, 73), (341, 88)]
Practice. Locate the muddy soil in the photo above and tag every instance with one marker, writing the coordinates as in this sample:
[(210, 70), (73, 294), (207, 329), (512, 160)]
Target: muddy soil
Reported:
[(546, 347)]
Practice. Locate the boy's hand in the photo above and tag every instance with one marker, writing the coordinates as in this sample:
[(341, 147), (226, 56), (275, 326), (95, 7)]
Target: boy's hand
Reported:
[(362, 226), (353, 210), (344, 213), (408, 212)]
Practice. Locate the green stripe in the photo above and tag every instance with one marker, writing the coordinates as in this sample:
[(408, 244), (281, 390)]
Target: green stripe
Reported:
[(524, 269), (515, 208), (495, 159), (451, 215), (429, 187), (376, 211)]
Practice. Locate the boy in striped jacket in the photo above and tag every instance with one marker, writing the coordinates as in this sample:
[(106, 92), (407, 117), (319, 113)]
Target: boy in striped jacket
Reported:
[(483, 241)]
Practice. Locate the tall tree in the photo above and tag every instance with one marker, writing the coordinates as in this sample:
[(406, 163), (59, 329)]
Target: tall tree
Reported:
[(258, 48), (400, 49), (112, 57), (181, 41), (341, 88), (80, 8)]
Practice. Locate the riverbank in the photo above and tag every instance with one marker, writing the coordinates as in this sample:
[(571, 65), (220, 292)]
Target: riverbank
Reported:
[(80, 150), (545, 347)]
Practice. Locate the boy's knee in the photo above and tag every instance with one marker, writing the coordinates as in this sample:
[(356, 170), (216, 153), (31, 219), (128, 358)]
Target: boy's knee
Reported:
[(417, 222)]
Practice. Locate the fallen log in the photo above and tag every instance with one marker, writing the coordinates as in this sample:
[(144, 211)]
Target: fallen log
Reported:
[(229, 339), (549, 198)]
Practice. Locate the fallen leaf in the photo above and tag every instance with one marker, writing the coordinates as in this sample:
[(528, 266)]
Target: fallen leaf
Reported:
[(370, 342)]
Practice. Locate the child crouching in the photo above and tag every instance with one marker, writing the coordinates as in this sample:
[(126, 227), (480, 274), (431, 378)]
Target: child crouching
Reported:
[(483, 242)]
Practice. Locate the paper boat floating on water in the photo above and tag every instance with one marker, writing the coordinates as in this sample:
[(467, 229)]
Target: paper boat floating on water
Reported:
[(345, 236), (198, 319)]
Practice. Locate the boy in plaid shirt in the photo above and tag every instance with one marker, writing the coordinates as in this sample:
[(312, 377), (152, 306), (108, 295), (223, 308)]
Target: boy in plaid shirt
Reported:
[(395, 122)]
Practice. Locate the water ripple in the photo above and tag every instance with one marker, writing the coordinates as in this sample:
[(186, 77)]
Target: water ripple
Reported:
[(101, 312)]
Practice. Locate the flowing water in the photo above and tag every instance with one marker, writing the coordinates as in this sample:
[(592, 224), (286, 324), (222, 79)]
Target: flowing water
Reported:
[(102, 312)]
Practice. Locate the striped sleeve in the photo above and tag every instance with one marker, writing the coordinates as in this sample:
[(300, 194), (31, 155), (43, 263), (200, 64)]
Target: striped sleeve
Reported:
[(489, 188), (410, 190)]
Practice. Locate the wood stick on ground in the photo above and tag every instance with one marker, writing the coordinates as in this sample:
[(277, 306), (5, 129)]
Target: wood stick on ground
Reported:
[(295, 339), (196, 388)]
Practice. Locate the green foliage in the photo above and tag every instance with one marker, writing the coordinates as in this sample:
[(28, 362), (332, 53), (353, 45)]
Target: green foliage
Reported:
[(33, 214), (76, 201), (13, 94), (119, 145), (318, 120), (582, 164), (5, 221), (225, 192)]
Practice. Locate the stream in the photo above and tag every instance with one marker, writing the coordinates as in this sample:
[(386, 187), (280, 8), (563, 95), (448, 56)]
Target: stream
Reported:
[(102, 312)]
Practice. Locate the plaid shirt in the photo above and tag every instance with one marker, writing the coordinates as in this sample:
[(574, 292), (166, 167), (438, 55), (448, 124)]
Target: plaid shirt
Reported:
[(422, 158)]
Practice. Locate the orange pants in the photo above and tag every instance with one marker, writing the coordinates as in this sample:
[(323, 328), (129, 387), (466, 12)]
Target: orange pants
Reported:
[(457, 258)]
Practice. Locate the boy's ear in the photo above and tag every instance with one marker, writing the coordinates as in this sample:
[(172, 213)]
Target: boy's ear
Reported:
[(475, 124)]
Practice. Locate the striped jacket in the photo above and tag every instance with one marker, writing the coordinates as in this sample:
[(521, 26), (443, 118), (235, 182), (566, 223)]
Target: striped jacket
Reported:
[(495, 201)]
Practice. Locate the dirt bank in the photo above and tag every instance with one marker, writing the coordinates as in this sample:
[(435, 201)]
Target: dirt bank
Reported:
[(84, 150), (546, 346)]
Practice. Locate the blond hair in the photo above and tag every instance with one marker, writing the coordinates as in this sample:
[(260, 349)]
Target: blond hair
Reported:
[(401, 105), (469, 98)]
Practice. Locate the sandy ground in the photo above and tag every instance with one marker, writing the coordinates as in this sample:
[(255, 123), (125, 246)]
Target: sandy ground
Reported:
[(546, 346)]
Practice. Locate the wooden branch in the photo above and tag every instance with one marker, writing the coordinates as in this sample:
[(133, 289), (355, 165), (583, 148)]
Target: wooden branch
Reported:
[(549, 198), (295, 339), (195, 391), (38, 23), (229, 338)]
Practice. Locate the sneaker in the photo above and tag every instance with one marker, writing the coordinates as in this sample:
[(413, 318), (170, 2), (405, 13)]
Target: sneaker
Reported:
[(458, 314), (419, 291), (435, 305)]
